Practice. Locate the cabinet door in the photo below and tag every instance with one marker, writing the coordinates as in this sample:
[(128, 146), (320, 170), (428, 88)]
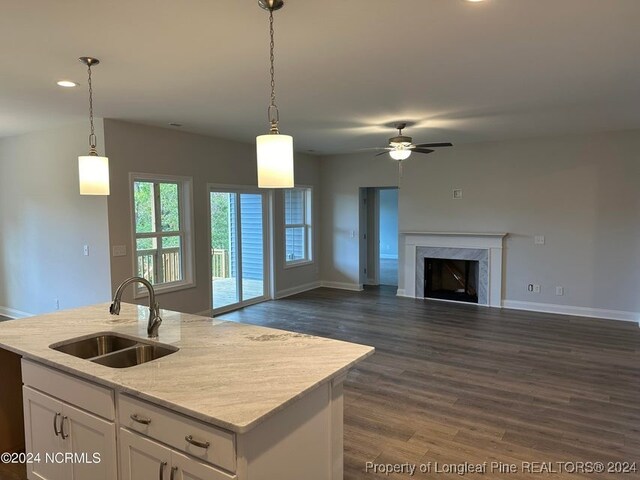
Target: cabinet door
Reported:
[(188, 468), (143, 459), (93, 443), (41, 437)]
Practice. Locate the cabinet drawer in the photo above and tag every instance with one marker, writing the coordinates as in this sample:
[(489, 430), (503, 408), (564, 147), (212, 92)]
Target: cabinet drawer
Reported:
[(173, 429), (94, 398)]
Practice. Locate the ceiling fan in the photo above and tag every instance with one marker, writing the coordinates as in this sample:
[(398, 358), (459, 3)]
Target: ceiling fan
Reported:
[(401, 147)]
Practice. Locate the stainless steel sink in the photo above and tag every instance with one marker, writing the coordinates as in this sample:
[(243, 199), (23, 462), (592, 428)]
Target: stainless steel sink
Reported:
[(114, 350), (95, 346), (141, 353)]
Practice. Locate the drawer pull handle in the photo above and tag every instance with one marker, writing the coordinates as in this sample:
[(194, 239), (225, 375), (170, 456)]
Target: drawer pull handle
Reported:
[(55, 424), (62, 434), (136, 418), (173, 473), (190, 439), (161, 472)]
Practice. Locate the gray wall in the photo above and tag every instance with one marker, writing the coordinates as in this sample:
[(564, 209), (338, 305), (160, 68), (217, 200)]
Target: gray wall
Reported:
[(45, 223), (137, 148), (388, 223), (581, 192), (342, 176)]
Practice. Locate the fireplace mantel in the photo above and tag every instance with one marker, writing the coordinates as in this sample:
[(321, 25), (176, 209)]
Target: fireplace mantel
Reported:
[(416, 243), (458, 234)]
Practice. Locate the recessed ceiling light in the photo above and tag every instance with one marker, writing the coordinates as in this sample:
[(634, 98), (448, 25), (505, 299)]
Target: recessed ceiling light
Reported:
[(475, 1), (67, 83)]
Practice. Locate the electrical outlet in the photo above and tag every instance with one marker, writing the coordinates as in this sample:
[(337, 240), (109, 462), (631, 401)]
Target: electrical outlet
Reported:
[(536, 288), (538, 240), (119, 251), (457, 193), (85, 250), (559, 291), (56, 303)]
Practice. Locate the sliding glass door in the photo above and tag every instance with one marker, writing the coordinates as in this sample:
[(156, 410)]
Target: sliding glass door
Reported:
[(239, 259)]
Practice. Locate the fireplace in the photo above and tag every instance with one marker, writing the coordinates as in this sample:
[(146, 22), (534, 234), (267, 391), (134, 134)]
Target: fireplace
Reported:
[(484, 250), (451, 279)]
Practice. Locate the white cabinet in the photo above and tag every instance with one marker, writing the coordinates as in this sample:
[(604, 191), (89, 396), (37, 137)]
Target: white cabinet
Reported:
[(197, 439), (42, 415), (67, 443), (66, 415), (186, 468), (94, 440), (141, 458)]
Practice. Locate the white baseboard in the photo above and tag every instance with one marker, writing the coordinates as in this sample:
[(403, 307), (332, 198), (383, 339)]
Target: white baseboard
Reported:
[(571, 310), (287, 292), (12, 313), (388, 256), (356, 287)]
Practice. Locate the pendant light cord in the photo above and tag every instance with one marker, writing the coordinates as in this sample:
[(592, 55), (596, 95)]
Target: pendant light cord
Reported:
[(92, 135), (273, 113)]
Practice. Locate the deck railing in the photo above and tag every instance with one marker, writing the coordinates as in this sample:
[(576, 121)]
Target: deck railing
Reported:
[(219, 263), (171, 270)]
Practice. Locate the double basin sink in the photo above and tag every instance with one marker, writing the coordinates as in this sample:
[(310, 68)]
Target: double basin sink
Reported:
[(114, 350)]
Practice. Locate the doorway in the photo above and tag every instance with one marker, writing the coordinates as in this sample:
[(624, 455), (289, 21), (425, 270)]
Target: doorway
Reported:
[(239, 254), (379, 237)]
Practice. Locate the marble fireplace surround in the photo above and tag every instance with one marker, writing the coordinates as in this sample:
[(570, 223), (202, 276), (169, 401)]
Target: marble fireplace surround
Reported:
[(486, 248)]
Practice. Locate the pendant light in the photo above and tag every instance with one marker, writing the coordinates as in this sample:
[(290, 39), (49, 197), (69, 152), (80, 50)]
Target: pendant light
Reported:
[(92, 168), (274, 150)]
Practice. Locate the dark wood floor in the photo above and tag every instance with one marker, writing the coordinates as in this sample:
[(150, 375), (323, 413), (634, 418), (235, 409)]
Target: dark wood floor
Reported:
[(455, 383)]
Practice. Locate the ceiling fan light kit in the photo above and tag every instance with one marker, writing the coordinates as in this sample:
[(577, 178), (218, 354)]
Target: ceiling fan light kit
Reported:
[(274, 150), (401, 146), (93, 170)]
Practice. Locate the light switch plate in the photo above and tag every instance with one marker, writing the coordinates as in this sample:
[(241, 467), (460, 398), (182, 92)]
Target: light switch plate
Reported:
[(538, 239), (457, 193), (119, 251)]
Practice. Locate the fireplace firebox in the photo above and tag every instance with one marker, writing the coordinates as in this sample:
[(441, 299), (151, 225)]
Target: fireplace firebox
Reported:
[(451, 279)]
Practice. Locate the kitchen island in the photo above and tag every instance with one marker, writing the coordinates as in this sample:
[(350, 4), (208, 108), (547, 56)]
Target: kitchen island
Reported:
[(234, 401)]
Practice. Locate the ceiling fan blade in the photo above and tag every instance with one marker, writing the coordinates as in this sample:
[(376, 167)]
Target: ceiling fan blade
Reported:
[(422, 150), (431, 145)]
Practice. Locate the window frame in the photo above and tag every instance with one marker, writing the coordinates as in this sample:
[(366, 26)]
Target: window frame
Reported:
[(308, 222), (185, 232)]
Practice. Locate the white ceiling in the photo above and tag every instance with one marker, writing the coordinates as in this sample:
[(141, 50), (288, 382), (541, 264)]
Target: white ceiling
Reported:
[(464, 72)]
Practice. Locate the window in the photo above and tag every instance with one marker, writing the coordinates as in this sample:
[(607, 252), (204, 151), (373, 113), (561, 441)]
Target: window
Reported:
[(297, 226), (162, 230)]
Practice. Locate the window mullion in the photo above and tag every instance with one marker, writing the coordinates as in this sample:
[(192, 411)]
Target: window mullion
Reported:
[(159, 268)]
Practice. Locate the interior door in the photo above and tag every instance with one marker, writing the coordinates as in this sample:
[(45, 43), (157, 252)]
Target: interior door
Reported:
[(239, 258)]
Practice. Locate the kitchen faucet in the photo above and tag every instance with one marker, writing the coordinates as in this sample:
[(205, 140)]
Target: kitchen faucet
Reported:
[(154, 309)]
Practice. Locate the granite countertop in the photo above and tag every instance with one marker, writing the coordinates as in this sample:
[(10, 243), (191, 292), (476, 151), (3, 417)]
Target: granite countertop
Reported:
[(228, 374)]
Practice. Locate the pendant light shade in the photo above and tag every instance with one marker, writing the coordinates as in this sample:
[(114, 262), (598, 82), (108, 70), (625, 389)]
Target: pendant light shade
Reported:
[(93, 170), (274, 150), (275, 161), (94, 175)]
